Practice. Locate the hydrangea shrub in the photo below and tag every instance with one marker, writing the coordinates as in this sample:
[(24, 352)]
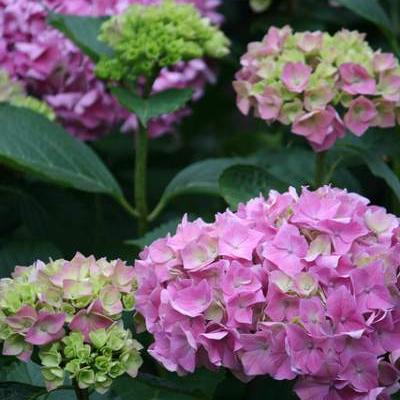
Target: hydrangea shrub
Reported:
[(70, 311), (56, 71), (295, 286), (320, 84)]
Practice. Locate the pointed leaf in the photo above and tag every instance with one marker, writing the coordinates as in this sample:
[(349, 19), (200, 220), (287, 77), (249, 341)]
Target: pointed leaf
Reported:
[(83, 31), (31, 143), (371, 10), (156, 105), (240, 183)]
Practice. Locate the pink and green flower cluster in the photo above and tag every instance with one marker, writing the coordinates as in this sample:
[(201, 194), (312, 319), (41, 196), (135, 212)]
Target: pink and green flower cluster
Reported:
[(293, 286), (71, 312), (319, 84)]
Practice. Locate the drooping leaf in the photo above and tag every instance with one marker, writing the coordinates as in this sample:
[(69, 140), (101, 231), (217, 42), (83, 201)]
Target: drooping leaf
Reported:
[(31, 143), (156, 105), (24, 252), (161, 231), (240, 183), (83, 31), (12, 370), (371, 10)]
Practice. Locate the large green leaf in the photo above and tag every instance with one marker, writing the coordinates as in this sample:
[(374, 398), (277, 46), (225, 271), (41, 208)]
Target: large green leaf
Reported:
[(371, 10), (199, 178), (83, 31), (156, 105), (20, 381), (31, 143), (240, 183)]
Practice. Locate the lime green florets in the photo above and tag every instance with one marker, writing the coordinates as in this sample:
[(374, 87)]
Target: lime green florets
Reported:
[(148, 38), (13, 93), (112, 353)]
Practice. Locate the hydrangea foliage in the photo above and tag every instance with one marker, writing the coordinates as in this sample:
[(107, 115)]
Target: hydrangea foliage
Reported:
[(319, 84), (292, 286), (146, 39), (71, 312), (13, 93), (55, 70)]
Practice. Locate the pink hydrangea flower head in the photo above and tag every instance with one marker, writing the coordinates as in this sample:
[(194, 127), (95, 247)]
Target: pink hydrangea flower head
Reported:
[(300, 286), (313, 81)]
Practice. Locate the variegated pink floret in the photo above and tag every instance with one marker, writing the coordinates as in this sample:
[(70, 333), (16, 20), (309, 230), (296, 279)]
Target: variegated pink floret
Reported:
[(293, 286), (319, 84), (53, 69)]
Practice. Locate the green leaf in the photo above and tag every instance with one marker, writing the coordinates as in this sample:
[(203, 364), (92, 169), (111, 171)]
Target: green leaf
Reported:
[(24, 252), (31, 143), (19, 380), (371, 10), (156, 105), (83, 31), (159, 232), (241, 183)]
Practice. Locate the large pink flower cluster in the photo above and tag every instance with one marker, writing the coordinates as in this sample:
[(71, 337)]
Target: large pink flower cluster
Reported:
[(290, 286), (53, 69), (319, 84)]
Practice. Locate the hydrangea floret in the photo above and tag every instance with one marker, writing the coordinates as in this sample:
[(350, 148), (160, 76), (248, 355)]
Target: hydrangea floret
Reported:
[(146, 39), (13, 93), (319, 84), (54, 70), (70, 311), (295, 286)]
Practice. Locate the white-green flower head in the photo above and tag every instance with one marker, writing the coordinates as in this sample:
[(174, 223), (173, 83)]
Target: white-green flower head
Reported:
[(145, 39)]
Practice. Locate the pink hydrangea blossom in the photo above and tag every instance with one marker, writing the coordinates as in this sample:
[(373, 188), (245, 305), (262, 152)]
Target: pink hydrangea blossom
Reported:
[(53, 69), (296, 286), (320, 84)]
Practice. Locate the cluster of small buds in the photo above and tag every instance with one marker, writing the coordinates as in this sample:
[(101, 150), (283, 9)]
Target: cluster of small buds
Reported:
[(56, 71), (146, 39), (13, 93), (71, 312), (293, 286), (319, 84)]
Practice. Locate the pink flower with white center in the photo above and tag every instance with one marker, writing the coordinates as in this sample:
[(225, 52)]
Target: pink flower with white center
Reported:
[(386, 117), (193, 300), (309, 42), (269, 104), (295, 76), (275, 38), (86, 321), (356, 79), (389, 86), (47, 328), (23, 320), (384, 62), (16, 345), (360, 116), (288, 250)]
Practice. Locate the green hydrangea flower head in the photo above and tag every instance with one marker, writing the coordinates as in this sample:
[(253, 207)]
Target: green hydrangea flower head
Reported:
[(145, 39), (13, 93)]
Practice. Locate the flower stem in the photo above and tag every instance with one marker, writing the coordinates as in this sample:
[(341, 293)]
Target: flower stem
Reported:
[(320, 169), (140, 179), (81, 394)]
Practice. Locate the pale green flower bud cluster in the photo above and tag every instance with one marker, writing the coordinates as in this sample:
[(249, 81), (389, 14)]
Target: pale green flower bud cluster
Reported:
[(112, 353), (13, 93), (145, 39), (71, 312)]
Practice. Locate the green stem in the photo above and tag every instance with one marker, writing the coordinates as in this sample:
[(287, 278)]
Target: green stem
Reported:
[(81, 394), (140, 179), (320, 169)]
